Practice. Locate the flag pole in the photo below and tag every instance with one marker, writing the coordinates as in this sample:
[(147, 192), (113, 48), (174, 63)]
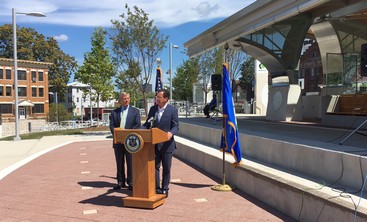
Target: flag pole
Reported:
[(224, 158), (223, 186)]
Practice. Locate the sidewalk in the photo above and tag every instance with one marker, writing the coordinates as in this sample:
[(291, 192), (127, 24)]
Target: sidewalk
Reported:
[(73, 180)]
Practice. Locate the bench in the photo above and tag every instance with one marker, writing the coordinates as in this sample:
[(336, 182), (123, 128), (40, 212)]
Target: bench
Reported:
[(355, 104)]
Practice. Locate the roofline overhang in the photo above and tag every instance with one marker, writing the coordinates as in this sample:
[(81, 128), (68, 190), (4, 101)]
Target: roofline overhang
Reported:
[(256, 16)]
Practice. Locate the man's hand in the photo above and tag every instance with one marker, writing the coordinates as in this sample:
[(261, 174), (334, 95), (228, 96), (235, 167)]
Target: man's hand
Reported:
[(169, 135)]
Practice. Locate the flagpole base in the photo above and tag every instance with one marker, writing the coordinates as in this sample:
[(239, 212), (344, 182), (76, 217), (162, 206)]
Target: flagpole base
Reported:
[(222, 187)]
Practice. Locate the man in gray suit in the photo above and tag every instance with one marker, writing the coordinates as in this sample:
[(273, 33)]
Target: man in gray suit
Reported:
[(126, 117), (165, 117)]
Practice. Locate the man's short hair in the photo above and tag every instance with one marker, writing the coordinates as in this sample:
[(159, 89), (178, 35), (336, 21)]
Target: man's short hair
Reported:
[(124, 94), (165, 93)]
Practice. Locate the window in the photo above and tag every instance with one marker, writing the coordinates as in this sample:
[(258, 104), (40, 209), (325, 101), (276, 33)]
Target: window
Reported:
[(77, 100), (34, 92), (8, 74), (38, 108), (22, 75), (40, 76), (1, 73), (34, 76), (22, 91), (8, 91), (40, 92), (1, 90), (6, 108)]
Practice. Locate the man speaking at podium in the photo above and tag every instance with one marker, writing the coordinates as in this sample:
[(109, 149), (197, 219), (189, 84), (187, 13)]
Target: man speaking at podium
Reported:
[(165, 117), (125, 117)]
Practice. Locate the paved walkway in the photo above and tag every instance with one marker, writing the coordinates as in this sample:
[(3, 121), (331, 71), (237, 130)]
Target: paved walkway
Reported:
[(73, 182)]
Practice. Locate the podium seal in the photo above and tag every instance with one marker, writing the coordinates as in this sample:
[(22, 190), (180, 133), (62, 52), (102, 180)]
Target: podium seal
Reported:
[(133, 142)]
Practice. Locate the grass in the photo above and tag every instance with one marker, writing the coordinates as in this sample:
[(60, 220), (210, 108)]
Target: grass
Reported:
[(39, 135)]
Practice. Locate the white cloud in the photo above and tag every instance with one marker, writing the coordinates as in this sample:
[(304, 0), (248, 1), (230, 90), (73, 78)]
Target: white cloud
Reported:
[(204, 9), (61, 38), (165, 13)]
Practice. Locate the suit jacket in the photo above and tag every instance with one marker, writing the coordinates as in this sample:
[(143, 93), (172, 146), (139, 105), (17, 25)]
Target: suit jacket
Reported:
[(167, 123), (132, 121)]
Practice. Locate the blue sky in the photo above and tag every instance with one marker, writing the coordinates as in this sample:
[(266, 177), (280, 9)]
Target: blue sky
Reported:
[(71, 23)]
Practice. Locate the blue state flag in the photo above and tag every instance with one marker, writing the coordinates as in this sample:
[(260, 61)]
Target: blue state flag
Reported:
[(230, 142)]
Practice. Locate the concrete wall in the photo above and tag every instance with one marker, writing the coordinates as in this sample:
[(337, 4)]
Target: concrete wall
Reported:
[(8, 128), (319, 165), (298, 198), (284, 103), (298, 195)]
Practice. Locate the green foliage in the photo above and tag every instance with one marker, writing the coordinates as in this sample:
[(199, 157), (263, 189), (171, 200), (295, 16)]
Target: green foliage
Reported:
[(97, 69), (36, 47), (136, 42), (126, 79), (235, 58), (186, 76), (248, 71), (58, 112)]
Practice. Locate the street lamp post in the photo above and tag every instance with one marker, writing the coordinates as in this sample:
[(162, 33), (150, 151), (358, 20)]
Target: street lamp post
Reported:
[(170, 68), (55, 100), (57, 109), (91, 111), (14, 13)]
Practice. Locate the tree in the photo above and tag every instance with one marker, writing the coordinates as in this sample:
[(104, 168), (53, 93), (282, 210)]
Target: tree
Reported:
[(136, 40), (210, 62), (57, 112), (247, 76), (186, 76), (235, 59), (36, 47), (127, 81), (97, 69)]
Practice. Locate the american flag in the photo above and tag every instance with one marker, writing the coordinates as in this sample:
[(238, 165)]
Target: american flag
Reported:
[(158, 80)]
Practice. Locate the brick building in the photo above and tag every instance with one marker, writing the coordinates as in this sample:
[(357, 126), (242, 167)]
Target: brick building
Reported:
[(32, 94)]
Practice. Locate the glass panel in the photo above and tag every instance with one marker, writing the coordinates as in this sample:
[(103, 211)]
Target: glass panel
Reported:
[(6, 108), (34, 76), (34, 92), (22, 75), (334, 74), (40, 92), (8, 74), (22, 91), (40, 76), (8, 91), (38, 108), (343, 74)]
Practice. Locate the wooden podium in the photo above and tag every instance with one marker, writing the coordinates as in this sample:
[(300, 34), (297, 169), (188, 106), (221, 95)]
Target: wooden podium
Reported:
[(143, 163)]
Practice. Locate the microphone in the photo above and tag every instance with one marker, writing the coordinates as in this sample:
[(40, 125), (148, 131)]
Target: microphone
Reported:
[(151, 121)]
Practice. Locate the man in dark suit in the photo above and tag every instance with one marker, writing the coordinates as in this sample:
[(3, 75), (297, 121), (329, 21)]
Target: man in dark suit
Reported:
[(165, 118), (210, 106), (126, 117)]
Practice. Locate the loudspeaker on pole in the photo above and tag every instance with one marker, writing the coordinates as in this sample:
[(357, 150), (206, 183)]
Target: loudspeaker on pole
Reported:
[(217, 82)]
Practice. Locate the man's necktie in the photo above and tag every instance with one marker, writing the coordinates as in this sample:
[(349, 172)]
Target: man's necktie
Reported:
[(160, 113), (123, 119)]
